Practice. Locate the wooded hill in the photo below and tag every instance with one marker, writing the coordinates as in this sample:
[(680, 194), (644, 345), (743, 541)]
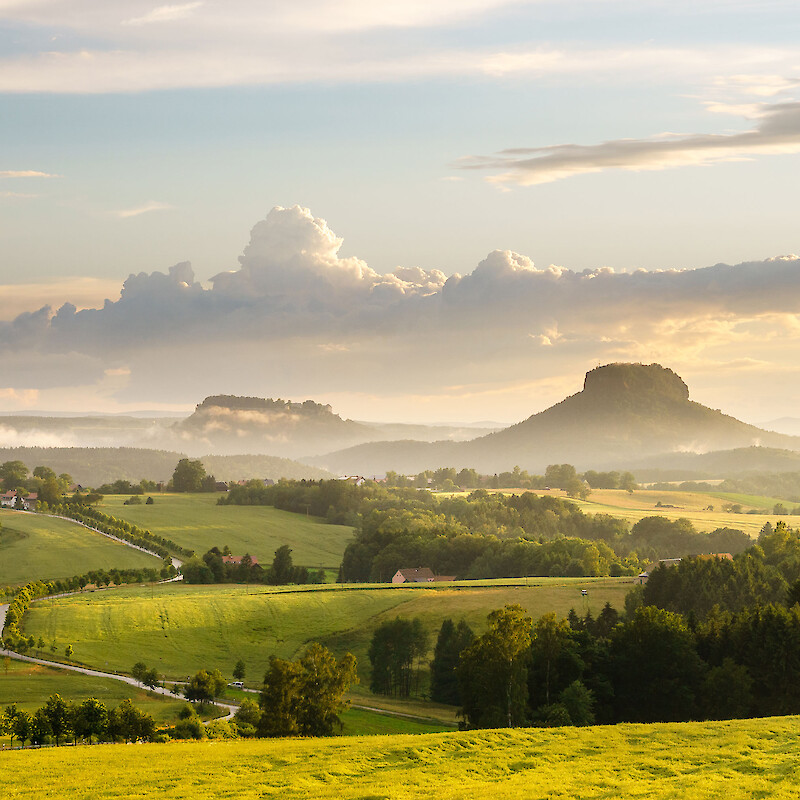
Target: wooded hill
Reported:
[(626, 412)]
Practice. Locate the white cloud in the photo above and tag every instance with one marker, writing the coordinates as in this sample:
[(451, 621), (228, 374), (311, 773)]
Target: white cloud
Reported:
[(25, 173), (132, 46), (778, 132), (83, 292), (164, 14), (146, 208), (298, 320)]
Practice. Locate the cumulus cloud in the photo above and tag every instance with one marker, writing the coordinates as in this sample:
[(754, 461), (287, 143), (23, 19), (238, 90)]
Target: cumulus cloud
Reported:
[(777, 132), (298, 320)]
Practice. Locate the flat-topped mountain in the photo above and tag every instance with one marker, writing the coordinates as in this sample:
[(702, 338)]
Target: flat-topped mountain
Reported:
[(624, 413), (227, 424)]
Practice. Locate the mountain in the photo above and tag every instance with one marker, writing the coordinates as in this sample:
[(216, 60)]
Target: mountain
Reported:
[(626, 412)]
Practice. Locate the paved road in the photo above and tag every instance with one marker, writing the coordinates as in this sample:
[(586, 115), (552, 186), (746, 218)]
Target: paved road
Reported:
[(231, 709)]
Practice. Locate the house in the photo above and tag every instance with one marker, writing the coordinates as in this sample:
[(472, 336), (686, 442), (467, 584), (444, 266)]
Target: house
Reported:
[(237, 560), (9, 500), (358, 480), (419, 575)]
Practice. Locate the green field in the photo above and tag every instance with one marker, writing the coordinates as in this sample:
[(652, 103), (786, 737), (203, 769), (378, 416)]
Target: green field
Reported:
[(197, 522), (692, 761), (34, 547), (29, 686), (178, 629)]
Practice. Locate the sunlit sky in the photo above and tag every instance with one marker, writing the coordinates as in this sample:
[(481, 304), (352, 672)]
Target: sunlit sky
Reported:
[(414, 211)]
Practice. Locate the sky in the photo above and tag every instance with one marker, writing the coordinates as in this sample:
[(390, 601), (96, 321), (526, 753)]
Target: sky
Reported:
[(415, 211)]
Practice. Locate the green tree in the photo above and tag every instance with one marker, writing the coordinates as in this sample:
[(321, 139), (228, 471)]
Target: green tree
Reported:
[(91, 719), (239, 670), (188, 476), (69, 651), (204, 686), (282, 570), (493, 671), (14, 474), (305, 697), (58, 713), (452, 640), (131, 724), (656, 670), (395, 645), (21, 727)]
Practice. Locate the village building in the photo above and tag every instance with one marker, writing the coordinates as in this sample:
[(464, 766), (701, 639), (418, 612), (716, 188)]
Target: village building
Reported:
[(419, 575)]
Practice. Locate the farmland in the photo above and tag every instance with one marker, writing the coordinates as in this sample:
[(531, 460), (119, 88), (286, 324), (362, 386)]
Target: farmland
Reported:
[(697, 761), (197, 522), (675, 505), (34, 547), (179, 629)]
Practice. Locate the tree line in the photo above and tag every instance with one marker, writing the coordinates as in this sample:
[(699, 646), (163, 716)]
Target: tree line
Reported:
[(60, 720), (649, 666), (212, 567)]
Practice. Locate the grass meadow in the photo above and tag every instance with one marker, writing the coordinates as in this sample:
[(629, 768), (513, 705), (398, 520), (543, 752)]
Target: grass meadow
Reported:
[(197, 522), (179, 629), (34, 547), (692, 761)]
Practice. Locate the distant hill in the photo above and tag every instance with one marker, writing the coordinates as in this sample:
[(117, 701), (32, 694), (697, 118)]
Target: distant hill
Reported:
[(625, 413), (93, 466)]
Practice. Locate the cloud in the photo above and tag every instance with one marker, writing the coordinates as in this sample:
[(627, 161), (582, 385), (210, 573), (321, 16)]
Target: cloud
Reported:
[(113, 47), (778, 132), (298, 320), (25, 173), (164, 14), (83, 292), (153, 205)]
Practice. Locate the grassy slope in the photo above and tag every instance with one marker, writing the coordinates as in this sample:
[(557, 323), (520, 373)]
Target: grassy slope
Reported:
[(34, 547), (196, 521), (740, 759), (179, 629), (29, 685)]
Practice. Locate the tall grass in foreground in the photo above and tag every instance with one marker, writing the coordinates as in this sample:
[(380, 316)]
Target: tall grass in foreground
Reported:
[(738, 759)]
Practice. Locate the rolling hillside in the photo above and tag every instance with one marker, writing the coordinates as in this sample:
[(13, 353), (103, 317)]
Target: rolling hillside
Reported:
[(626, 412)]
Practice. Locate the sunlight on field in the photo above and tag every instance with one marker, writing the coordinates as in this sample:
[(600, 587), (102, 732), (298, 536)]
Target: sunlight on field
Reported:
[(178, 629), (197, 522), (34, 547), (697, 761)]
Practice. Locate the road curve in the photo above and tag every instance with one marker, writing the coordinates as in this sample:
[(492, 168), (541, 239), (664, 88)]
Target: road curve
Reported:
[(231, 709)]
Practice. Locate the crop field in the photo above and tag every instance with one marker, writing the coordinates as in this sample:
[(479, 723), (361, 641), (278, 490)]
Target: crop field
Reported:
[(36, 547), (690, 505), (197, 522), (178, 629), (695, 761)]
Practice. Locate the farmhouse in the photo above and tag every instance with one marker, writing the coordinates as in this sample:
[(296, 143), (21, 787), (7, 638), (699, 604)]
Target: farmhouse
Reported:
[(237, 560), (9, 500), (419, 575)]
